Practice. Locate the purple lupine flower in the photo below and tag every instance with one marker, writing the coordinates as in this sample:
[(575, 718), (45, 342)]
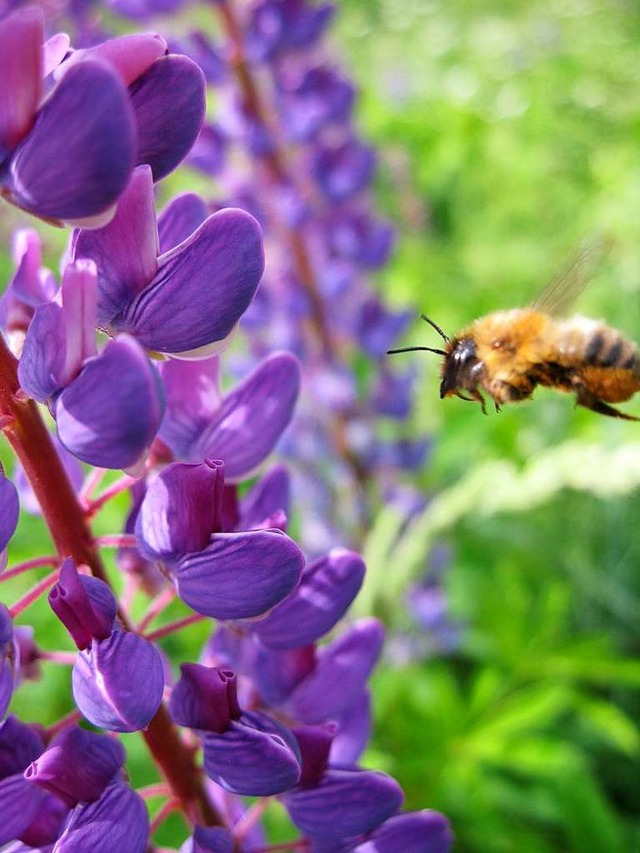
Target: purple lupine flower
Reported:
[(231, 575), (167, 95), (279, 25), (107, 407), (343, 170), (118, 677), (337, 803), (311, 99), (7, 659), (20, 801), (67, 157), (166, 302), (244, 752), (243, 427), (77, 765)]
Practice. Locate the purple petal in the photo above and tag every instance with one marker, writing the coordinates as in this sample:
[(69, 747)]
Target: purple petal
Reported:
[(42, 363), (130, 55), (79, 302), (126, 250), (117, 821), (179, 219), (340, 675), (209, 839), (256, 756), (21, 37), (84, 604), (278, 673), (270, 494), (205, 698), (414, 832), (19, 804), (343, 170), (193, 396), (110, 414), (77, 765), (47, 825), (77, 158), (9, 510), (203, 286), (315, 744), (240, 575), (118, 683), (253, 416), (7, 659), (169, 105), (346, 802), (54, 51), (20, 744), (354, 731), (326, 589), (209, 149), (180, 510)]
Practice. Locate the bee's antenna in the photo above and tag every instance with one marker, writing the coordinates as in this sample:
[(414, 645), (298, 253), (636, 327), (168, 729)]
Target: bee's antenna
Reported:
[(444, 337), (416, 349)]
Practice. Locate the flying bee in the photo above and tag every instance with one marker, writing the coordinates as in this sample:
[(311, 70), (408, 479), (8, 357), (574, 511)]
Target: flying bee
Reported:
[(508, 353)]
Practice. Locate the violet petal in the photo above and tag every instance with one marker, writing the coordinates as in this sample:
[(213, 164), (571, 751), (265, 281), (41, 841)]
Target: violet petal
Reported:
[(209, 839), (46, 826), (7, 659), (130, 55), (84, 604), (179, 219), (21, 37), (19, 804), (239, 575), (117, 821), (346, 802), (77, 158), (256, 756), (270, 494), (169, 106), (253, 416), (413, 832), (193, 396), (110, 414), (77, 765), (118, 682), (9, 510), (126, 250), (326, 589), (354, 731), (202, 287), (341, 672), (180, 510), (205, 698), (41, 365), (20, 744)]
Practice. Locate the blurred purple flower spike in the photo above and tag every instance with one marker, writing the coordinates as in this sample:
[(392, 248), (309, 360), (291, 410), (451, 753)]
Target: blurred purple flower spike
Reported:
[(69, 157), (279, 25), (185, 302), (343, 170), (30, 285)]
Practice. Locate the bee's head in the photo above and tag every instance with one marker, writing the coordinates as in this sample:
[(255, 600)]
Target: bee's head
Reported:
[(461, 368)]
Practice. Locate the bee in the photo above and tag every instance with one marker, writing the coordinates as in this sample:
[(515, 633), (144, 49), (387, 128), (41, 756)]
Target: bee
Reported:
[(508, 353)]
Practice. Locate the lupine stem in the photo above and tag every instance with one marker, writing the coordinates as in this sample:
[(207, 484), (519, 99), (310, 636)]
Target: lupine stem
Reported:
[(26, 432), (173, 627), (33, 595), (114, 489), (37, 563)]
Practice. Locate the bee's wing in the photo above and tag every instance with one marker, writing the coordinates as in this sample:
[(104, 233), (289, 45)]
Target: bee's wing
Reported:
[(564, 288)]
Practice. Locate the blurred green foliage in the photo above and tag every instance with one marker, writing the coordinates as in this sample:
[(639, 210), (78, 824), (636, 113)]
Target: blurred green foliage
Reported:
[(509, 132)]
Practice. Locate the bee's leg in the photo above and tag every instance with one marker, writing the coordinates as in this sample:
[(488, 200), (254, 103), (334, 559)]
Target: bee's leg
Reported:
[(590, 401), (477, 396)]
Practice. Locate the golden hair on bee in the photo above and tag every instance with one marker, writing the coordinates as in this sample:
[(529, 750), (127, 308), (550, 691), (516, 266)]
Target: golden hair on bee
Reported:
[(508, 353)]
